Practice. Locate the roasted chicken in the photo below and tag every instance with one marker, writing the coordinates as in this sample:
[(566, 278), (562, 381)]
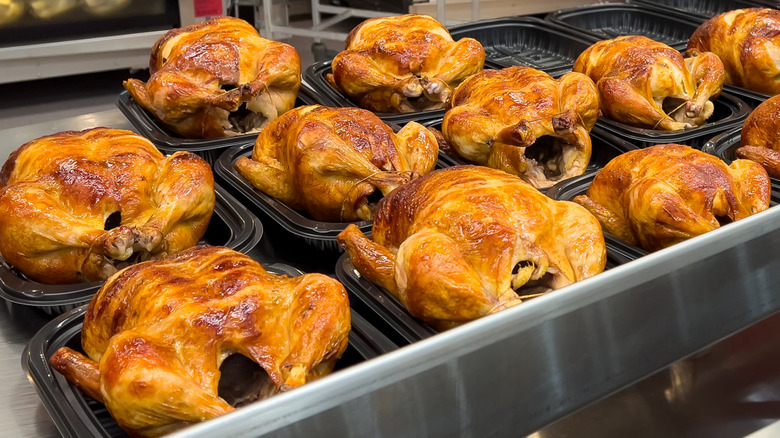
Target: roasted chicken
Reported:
[(659, 196), (467, 241), (760, 136), (524, 122), (218, 78), (748, 43), (403, 64), (648, 84), (10, 11), (156, 334), (334, 163), (77, 206)]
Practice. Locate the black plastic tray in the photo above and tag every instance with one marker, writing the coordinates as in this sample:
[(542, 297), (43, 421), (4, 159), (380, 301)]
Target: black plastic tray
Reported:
[(231, 225), (321, 235), (392, 318), (700, 10), (526, 41), (325, 94), (730, 111), (169, 142), (605, 147), (609, 21), (79, 416), (725, 145), (750, 97)]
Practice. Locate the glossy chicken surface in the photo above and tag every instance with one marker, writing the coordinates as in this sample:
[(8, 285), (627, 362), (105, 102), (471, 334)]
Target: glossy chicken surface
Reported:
[(468, 241), (524, 122), (403, 64), (665, 194), (332, 163), (648, 84), (156, 334), (748, 43), (77, 206), (761, 136), (218, 78)]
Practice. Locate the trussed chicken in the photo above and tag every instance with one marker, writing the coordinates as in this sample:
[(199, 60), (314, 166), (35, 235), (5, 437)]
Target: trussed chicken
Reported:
[(761, 136), (467, 241), (218, 78), (648, 84), (156, 334), (524, 122), (662, 195), (77, 206), (333, 163), (748, 43), (403, 64)]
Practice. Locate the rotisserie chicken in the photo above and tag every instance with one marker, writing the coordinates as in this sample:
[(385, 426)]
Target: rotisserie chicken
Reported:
[(403, 64), (648, 84), (156, 334), (748, 43), (524, 122), (659, 196), (334, 163), (10, 11), (761, 136), (77, 206), (218, 78), (467, 241)]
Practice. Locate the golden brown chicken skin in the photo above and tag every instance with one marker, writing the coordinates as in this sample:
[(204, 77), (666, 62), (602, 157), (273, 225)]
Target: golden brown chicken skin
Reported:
[(157, 332), (467, 241), (761, 136), (748, 43), (77, 206), (218, 78), (524, 122), (403, 64), (328, 162), (665, 194), (648, 84)]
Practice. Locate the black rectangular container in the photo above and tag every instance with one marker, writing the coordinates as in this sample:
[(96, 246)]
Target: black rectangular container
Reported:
[(392, 318), (730, 111), (325, 94), (526, 41), (231, 225), (700, 10), (169, 142), (320, 234), (79, 416), (725, 145), (611, 20), (750, 97)]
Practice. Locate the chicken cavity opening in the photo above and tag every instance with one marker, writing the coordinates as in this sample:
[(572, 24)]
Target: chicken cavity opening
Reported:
[(723, 220), (523, 283), (676, 108), (113, 220), (545, 158), (243, 381), (243, 120)]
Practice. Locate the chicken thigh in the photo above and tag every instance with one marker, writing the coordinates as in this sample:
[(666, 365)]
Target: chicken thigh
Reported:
[(522, 121), (333, 163), (467, 241), (77, 206), (218, 78), (662, 195), (648, 84), (156, 334), (760, 139), (748, 43), (403, 64)]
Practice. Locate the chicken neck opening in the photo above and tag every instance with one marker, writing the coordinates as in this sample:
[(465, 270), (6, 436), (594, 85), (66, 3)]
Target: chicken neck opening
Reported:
[(243, 120), (545, 158), (530, 281), (243, 381)]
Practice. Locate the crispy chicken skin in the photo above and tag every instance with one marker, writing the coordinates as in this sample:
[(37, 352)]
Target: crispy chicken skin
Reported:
[(761, 136), (659, 196), (524, 122), (403, 64), (77, 206), (218, 78), (467, 241), (648, 84), (157, 332), (748, 43), (328, 162)]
